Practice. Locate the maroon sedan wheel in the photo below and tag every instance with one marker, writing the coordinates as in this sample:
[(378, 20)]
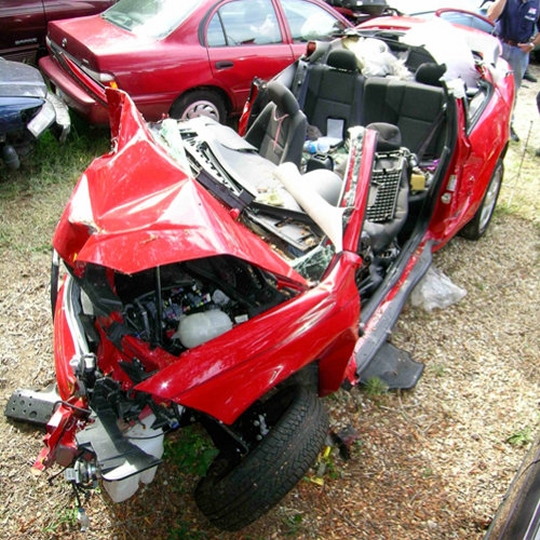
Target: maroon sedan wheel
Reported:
[(199, 103)]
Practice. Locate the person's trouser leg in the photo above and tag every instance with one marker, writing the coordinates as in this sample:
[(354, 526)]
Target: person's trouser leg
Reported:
[(518, 61)]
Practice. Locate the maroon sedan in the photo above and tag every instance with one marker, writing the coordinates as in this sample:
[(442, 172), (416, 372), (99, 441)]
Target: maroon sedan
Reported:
[(180, 58), (23, 23)]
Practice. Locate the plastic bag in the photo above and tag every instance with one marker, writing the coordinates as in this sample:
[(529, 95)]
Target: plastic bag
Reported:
[(435, 290), (375, 59)]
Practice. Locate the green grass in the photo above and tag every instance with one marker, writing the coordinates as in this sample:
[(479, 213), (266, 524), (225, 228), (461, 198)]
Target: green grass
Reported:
[(184, 531), (521, 437), (521, 185), (191, 451), (52, 163), (295, 525), (33, 197), (66, 518), (375, 387), (438, 370)]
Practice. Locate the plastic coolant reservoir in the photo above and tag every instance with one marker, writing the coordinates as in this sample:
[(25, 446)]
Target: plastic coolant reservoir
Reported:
[(201, 327), (150, 441)]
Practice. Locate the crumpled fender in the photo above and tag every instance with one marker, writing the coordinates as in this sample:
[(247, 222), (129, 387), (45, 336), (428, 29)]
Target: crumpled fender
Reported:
[(226, 375)]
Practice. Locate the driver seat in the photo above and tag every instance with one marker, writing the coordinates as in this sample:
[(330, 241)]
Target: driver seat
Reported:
[(279, 132)]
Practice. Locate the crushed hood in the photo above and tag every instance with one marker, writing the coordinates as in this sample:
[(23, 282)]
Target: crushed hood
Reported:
[(135, 208)]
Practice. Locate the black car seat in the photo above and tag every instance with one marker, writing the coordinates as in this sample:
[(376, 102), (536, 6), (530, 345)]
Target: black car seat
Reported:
[(334, 92), (416, 108), (279, 131)]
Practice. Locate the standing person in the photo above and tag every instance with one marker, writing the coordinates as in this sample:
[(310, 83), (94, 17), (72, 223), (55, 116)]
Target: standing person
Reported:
[(517, 23), (537, 152)]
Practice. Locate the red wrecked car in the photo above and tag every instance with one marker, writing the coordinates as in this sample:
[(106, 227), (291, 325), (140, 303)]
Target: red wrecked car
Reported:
[(235, 280)]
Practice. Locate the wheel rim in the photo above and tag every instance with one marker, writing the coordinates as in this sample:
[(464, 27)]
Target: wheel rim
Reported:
[(490, 199), (202, 107)]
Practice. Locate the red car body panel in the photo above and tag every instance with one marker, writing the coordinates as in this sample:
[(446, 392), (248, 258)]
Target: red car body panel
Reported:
[(176, 220), (477, 149), (143, 234), (239, 62), (66, 347), (157, 72), (472, 166), (322, 324)]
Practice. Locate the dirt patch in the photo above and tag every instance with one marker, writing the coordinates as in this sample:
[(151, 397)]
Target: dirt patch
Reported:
[(431, 463)]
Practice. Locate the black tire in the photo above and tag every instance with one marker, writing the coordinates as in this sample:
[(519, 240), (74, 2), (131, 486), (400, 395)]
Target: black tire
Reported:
[(232, 496), (481, 220), (199, 103)]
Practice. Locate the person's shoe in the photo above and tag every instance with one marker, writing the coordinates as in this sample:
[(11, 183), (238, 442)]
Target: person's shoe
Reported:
[(513, 135), (528, 76)]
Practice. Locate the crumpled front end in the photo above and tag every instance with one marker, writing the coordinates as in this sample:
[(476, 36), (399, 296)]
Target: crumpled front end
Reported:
[(140, 355)]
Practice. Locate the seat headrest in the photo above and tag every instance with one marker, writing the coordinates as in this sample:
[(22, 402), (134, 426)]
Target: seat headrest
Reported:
[(430, 73), (342, 59), (282, 97), (389, 136)]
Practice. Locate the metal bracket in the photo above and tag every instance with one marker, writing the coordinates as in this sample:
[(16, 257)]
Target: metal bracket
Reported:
[(34, 406)]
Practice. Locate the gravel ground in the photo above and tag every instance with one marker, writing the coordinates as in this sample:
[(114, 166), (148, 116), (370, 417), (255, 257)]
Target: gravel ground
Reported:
[(432, 463)]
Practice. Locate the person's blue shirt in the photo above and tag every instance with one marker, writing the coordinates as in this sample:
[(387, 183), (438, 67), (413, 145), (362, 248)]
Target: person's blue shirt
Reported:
[(518, 21)]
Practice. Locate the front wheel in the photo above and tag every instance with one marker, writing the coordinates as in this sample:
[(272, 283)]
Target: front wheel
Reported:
[(199, 103), (235, 493), (480, 222)]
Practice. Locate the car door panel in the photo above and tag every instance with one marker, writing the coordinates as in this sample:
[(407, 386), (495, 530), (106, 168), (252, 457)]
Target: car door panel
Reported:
[(229, 64), (245, 40)]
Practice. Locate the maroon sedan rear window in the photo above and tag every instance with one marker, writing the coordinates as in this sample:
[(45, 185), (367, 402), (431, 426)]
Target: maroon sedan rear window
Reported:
[(152, 18)]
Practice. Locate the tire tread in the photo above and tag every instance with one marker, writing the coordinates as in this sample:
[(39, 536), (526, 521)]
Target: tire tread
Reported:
[(271, 470)]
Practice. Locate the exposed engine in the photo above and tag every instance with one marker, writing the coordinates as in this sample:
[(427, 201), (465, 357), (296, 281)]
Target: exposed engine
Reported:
[(182, 305)]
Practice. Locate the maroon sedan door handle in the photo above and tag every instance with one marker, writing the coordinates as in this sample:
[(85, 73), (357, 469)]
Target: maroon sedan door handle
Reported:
[(224, 64)]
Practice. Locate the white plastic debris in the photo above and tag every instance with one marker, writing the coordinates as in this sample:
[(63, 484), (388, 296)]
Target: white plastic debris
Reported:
[(436, 290)]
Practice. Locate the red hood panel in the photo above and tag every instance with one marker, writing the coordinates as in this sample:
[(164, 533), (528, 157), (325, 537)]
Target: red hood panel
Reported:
[(135, 209)]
